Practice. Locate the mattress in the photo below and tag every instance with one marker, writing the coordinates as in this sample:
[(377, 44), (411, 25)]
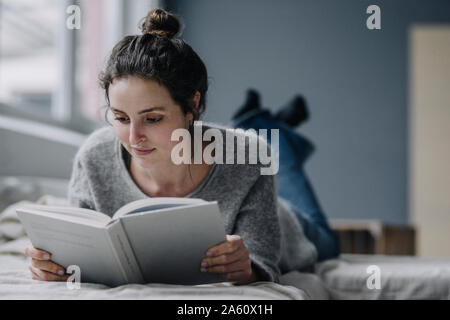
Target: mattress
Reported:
[(353, 276), (348, 277)]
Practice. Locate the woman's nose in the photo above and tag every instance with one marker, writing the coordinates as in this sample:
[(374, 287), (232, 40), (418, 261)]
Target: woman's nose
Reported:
[(136, 135)]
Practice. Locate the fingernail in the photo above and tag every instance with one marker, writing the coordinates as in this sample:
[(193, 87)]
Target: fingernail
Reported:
[(209, 254), (46, 256), (204, 264), (203, 270), (60, 272)]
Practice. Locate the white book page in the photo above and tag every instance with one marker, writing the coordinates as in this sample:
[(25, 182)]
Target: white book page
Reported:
[(154, 204), (73, 214), (85, 245)]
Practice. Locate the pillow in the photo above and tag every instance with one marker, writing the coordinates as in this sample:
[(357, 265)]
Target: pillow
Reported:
[(14, 189)]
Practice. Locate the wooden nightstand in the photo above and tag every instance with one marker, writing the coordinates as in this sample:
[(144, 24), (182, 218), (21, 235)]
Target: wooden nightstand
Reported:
[(374, 237)]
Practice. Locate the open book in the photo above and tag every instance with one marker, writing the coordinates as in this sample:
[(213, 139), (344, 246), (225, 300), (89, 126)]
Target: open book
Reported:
[(158, 240)]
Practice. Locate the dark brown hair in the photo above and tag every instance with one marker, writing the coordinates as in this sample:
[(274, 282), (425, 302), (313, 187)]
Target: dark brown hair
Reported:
[(159, 55)]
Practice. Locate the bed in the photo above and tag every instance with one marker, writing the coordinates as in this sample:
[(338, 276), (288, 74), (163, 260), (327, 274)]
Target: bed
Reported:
[(401, 277), (16, 282)]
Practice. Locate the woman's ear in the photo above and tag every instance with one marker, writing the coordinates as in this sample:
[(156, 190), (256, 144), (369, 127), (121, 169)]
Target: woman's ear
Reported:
[(190, 119), (196, 99)]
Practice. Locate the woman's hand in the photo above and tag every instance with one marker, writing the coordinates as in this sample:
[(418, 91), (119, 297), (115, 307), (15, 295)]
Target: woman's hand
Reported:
[(231, 260), (42, 268)]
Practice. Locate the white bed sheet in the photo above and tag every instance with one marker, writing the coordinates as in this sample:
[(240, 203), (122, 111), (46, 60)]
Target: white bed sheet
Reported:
[(342, 278), (16, 283)]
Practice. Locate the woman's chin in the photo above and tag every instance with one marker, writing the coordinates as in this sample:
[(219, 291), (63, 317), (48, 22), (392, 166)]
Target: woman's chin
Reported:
[(146, 162)]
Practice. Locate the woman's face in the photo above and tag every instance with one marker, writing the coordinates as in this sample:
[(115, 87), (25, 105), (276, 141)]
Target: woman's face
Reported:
[(145, 116)]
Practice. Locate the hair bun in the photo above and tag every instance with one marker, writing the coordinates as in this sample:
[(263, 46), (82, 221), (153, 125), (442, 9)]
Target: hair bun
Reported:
[(161, 22)]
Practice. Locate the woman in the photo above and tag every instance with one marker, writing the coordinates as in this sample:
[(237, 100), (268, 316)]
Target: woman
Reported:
[(154, 84)]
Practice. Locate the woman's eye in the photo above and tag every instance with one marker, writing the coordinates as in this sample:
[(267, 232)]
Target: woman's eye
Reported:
[(121, 119), (153, 120), (150, 120)]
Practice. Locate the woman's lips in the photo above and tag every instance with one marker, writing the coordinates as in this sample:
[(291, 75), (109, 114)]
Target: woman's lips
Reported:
[(142, 152)]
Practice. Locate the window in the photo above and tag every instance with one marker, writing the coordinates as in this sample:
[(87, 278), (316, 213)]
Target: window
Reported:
[(50, 71), (105, 22), (28, 54)]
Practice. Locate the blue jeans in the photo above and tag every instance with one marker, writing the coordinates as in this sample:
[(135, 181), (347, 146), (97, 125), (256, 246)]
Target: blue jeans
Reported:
[(293, 184)]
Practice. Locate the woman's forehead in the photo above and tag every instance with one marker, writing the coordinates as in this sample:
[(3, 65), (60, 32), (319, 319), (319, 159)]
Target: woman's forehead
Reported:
[(135, 85), (137, 95)]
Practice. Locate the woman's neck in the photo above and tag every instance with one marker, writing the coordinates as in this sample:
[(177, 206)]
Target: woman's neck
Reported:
[(173, 181)]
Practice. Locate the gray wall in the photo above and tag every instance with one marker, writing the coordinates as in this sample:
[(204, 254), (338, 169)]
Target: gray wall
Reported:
[(355, 81)]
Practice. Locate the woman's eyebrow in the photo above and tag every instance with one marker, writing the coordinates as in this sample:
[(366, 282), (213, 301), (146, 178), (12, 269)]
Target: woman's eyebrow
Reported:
[(142, 111)]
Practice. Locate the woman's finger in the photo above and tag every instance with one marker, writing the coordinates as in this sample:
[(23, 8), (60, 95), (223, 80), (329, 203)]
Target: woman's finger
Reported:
[(237, 255), (48, 265), (241, 265), (233, 237), (48, 276), (239, 277), (232, 243), (34, 275), (37, 254)]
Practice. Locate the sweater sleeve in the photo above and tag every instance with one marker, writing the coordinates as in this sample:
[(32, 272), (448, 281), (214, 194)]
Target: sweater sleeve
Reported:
[(79, 192), (257, 223)]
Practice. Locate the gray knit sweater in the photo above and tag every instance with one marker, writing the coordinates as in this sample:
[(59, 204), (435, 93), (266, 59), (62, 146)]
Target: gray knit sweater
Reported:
[(247, 200)]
